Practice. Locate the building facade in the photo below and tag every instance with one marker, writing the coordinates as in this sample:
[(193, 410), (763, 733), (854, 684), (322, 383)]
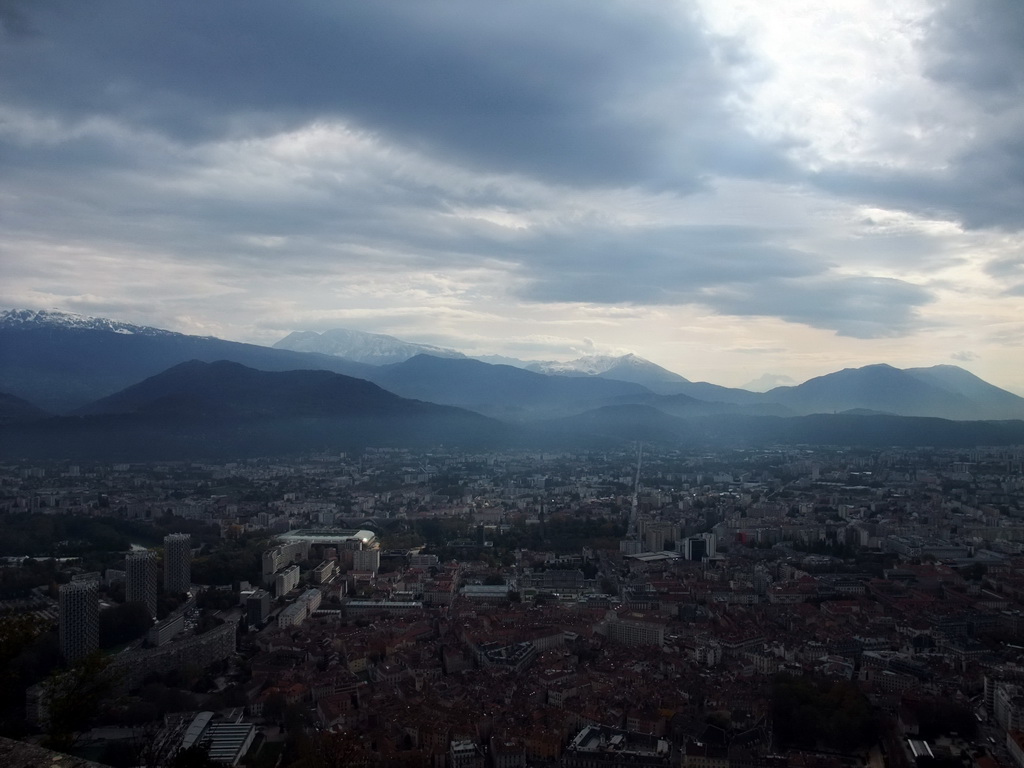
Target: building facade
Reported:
[(79, 619), (366, 560), (177, 562), (257, 607), (140, 580)]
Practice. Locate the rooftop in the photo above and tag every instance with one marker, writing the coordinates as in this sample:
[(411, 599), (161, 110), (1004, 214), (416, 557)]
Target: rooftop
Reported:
[(328, 535)]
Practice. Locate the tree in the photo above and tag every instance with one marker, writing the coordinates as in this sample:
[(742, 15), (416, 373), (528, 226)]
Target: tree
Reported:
[(74, 696), (123, 623), (273, 707), (196, 756), (808, 712), (120, 754), (17, 631)]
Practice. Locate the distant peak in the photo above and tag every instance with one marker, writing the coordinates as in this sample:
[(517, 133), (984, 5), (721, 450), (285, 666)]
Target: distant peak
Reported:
[(52, 318), (767, 381), (591, 364), (876, 367), (360, 346)]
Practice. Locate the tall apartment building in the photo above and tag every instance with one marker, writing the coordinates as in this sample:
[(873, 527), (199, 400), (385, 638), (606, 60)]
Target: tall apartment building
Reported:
[(286, 581), (177, 562), (140, 580), (257, 607), (79, 619), (366, 560)]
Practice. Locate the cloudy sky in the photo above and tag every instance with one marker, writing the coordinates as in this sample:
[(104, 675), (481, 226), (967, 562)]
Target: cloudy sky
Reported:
[(726, 187)]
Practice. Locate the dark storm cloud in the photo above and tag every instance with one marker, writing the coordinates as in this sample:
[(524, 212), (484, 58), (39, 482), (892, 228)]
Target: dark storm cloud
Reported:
[(663, 265), (733, 270), (860, 307), (982, 187), (583, 92), (978, 47)]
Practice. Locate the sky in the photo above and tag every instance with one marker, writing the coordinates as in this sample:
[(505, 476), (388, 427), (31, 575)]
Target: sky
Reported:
[(727, 188)]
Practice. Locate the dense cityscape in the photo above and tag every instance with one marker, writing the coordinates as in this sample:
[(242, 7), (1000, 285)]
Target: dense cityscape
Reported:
[(463, 384), (752, 608)]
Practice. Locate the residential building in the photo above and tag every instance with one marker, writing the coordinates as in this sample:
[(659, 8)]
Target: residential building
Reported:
[(140, 580), (79, 619), (177, 562)]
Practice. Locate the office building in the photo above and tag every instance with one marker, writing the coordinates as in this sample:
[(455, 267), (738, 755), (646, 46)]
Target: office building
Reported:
[(177, 562), (257, 607), (79, 619), (699, 547), (634, 628), (140, 580)]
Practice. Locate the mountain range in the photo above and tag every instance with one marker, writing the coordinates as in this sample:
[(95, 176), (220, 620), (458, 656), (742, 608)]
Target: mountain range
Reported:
[(943, 391), (59, 361), (224, 409), (136, 390)]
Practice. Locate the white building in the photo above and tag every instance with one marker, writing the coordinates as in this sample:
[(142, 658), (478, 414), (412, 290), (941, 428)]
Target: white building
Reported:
[(286, 581), (366, 560)]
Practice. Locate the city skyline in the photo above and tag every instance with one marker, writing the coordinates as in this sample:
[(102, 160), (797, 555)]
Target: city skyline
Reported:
[(727, 189)]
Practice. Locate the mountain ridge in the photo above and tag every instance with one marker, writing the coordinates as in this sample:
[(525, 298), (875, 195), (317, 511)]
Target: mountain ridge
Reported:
[(225, 409), (20, 318), (915, 392), (60, 362)]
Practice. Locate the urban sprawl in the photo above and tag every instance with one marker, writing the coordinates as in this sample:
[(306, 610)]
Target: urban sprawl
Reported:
[(744, 609)]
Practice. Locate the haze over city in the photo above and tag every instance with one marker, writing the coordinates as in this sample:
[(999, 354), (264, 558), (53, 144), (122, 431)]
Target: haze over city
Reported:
[(726, 188)]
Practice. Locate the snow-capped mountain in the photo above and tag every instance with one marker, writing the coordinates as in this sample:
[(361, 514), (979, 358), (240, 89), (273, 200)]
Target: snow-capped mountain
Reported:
[(60, 361), (596, 365), (50, 318), (629, 367), (362, 347), (591, 365)]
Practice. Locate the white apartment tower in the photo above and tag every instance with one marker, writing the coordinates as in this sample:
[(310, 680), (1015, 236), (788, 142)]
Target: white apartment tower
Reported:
[(79, 619), (366, 560), (140, 580), (177, 562)]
